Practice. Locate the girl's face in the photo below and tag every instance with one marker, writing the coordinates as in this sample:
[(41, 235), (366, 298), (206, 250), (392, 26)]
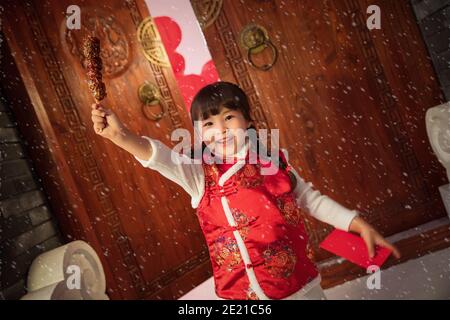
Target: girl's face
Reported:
[(224, 133)]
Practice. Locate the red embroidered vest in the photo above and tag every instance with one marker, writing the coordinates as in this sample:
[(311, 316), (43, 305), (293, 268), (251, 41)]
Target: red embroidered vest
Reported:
[(255, 232)]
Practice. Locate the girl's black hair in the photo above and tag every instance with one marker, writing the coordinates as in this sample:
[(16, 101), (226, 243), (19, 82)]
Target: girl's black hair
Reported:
[(213, 97)]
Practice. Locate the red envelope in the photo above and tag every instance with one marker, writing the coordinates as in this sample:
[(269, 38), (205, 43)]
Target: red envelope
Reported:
[(353, 248)]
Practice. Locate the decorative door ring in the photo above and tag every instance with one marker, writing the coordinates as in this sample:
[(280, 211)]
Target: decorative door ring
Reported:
[(255, 38), (150, 96)]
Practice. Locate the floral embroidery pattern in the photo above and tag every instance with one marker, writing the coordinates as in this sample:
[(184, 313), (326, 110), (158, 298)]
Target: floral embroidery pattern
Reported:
[(242, 221), (249, 170), (249, 177), (309, 252), (211, 174), (239, 216), (250, 294), (289, 209), (226, 253), (280, 259)]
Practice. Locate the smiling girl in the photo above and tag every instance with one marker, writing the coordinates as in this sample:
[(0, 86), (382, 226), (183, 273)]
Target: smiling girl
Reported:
[(253, 223)]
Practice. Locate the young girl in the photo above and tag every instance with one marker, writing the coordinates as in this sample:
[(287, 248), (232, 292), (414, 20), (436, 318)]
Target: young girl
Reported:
[(252, 222)]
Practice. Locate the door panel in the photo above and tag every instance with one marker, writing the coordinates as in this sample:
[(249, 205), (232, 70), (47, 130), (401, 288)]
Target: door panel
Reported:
[(141, 225)]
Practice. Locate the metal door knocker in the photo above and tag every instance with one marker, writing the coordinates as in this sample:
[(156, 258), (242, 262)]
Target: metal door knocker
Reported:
[(150, 97), (255, 38)]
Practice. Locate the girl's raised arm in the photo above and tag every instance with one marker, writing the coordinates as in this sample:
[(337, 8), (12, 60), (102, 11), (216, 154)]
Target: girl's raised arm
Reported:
[(177, 167), (151, 153)]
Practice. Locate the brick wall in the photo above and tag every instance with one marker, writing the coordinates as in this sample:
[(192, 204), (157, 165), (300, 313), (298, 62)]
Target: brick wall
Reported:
[(433, 17), (27, 227)]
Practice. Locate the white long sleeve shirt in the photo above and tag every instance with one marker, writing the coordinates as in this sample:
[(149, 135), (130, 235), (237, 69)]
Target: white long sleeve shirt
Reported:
[(190, 177)]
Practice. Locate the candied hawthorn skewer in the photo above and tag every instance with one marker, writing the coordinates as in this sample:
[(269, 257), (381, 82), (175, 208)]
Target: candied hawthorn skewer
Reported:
[(94, 65)]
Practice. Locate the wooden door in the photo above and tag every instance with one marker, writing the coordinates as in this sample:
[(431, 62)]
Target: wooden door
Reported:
[(350, 102), (141, 225)]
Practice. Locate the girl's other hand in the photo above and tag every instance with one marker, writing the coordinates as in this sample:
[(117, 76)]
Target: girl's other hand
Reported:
[(371, 237)]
